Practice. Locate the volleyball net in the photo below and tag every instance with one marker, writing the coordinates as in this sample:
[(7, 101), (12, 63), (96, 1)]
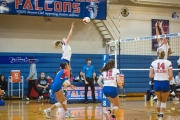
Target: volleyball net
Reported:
[(138, 53)]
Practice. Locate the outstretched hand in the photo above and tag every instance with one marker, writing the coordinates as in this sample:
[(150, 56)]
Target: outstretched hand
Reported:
[(72, 25), (157, 23), (160, 24)]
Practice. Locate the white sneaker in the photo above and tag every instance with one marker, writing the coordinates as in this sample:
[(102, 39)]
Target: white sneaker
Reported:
[(175, 102), (176, 98), (160, 116), (173, 94), (69, 115), (47, 113), (155, 98)]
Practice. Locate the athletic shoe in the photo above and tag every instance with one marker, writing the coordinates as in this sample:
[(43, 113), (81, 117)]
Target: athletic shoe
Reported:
[(173, 94), (69, 115), (113, 117), (155, 98), (107, 114), (86, 102), (160, 116), (25, 99), (175, 102), (47, 113), (176, 99)]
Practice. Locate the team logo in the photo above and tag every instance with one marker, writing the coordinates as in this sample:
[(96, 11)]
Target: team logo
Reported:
[(93, 9), (124, 12)]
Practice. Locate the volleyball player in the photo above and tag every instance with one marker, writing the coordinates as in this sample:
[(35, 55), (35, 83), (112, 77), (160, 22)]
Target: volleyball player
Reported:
[(162, 42), (111, 76), (56, 87), (161, 71), (66, 51)]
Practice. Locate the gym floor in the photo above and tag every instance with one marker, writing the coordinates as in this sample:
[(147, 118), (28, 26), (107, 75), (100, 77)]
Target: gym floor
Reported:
[(132, 108)]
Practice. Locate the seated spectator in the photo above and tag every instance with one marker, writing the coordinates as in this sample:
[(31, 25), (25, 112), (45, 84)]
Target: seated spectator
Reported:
[(43, 85), (1, 100), (3, 83), (80, 77)]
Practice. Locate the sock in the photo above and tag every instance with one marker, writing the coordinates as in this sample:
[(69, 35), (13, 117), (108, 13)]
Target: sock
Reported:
[(162, 113)]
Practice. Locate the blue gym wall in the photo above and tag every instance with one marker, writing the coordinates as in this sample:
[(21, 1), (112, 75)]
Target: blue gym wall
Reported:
[(135, 81)]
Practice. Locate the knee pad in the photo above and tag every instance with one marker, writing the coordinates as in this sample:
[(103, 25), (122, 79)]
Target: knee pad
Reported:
[(158, 104), (58, 104), (163, 105), (115, 107)]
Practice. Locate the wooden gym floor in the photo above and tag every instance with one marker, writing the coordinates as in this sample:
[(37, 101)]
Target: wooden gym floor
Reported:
[(131, 109)]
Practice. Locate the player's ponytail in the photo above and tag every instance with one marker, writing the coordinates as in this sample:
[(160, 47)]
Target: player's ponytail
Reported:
[(57, 44), (160, 54), (108, 66), (170, 51)]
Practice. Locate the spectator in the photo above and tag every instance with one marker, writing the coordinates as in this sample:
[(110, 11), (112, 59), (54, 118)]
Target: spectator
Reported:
[(3, 83), (31, 78), (89, 79), (80, 76), (43, 85)]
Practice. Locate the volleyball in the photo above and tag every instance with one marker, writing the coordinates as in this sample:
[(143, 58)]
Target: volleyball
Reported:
[(86, 20), (66, 83)]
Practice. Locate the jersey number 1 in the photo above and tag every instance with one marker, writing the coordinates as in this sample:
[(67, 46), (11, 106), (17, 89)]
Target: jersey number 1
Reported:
[(161, 65)]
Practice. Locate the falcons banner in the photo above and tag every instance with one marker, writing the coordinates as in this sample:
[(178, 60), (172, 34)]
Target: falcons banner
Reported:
[(94, 9)]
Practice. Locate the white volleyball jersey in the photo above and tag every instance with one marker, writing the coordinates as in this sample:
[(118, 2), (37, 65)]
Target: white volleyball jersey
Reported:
[(165, 47), (110, 77), (66, 51), (161, 67)]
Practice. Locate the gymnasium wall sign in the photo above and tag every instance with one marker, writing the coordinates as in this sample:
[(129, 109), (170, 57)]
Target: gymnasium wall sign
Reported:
[(95, 9), (125, 12), (21, 59)]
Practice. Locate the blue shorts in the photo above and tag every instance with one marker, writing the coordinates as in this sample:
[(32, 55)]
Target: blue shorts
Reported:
[(161, 86), (63, 60), (56, 86), (110, 91)]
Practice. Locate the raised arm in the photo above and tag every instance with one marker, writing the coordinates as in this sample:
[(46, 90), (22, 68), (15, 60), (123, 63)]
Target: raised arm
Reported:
[(157, 31), (163, 33), (70, 33)]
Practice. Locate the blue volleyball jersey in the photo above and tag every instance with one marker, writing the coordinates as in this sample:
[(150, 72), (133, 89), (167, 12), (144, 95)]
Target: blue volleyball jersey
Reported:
[(61, 76)]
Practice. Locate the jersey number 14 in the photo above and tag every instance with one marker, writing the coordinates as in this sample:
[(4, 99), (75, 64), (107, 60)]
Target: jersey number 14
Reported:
[(161, 65)]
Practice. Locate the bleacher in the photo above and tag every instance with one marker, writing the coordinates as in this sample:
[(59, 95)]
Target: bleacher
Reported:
[(135, 81)]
